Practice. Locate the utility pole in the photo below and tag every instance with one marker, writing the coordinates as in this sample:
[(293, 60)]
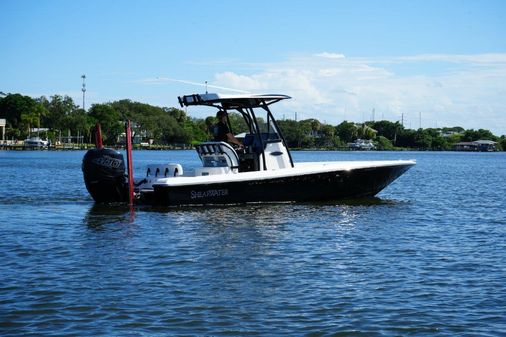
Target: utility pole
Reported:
[(402, 119), (84, 90), (373, 113), (420, 119)]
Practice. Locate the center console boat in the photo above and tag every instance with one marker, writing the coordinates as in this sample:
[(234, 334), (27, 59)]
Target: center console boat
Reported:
[(262, 171)]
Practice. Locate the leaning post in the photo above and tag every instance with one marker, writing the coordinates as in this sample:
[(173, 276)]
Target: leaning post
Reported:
[(98, 137)]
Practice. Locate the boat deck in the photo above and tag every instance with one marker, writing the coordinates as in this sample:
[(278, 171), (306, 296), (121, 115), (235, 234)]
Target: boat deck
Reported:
[(299, 169)]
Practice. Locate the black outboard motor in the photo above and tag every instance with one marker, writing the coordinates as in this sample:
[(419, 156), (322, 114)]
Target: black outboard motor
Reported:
[(104, 175)]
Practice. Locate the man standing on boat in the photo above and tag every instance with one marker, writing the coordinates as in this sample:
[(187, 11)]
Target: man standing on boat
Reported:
[(222, 131)]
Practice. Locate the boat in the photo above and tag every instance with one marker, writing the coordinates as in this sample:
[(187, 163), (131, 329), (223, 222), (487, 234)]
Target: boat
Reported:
[(36, 142), (361, 145), (262, 171)]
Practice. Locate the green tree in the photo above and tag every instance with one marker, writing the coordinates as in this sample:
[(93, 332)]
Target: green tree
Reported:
[(454, 138), (386, 129), (200, 129), (453, 129), (347, 131), (59, 110), (366, 132), (383, 143), (406, 139), (13, 106), (481, 134), (178, 114), (237, 123), (305, 133), (290, 131), (163, 125), (172, 132), (31, 118), (328, 137), (315, 126), (502, 143), (110, 122), (143, 116), (423, 139), (21, 113), (81, 123)]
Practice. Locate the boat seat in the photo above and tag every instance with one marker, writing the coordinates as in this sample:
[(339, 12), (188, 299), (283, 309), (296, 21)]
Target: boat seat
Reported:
[(165, 171), (217, 154)]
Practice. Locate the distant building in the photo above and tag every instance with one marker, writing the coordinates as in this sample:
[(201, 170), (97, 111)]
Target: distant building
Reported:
[(34, 130), (137, 138), (447, 134), (362, 145), (478, 145), (3, 122)]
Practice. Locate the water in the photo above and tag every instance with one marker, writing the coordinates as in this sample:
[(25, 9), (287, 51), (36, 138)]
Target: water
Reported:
[(427, 257)]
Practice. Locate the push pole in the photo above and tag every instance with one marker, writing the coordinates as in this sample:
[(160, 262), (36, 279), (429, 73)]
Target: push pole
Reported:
[(98, 137), (128, 132)]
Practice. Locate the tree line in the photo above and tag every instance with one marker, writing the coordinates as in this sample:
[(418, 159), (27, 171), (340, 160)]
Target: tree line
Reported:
[(59, 117)]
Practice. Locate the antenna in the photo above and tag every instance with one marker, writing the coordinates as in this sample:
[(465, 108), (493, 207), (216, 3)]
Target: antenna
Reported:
[(159, 79), (84, 90)]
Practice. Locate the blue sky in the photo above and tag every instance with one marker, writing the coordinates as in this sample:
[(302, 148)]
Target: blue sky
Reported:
[(443, 60)]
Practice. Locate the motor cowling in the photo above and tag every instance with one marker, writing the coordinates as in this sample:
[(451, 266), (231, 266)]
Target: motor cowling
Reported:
[(104, 175)]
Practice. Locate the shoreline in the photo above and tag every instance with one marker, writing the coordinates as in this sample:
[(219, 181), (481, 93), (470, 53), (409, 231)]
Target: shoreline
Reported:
[(180, 147), (80, 147)]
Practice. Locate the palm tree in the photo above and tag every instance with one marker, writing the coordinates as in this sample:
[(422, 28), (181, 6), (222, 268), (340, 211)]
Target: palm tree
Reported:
[(366, 132)]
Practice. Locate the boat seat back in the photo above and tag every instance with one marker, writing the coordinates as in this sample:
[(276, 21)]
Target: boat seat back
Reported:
[(217, 154), (164, 171)]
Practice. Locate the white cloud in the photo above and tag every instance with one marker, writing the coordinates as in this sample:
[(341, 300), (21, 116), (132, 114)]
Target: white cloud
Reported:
[(471, 95), (475, 59), (247, 83), (332, 56)]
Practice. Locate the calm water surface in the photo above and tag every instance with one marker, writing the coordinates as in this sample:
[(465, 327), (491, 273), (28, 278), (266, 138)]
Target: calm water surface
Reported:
[(426, 258)]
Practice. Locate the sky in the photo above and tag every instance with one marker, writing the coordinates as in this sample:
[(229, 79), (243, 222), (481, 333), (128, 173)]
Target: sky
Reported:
[(423, 62)]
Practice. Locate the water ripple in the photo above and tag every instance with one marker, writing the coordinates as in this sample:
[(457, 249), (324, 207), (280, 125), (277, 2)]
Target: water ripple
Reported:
[(425, 258)]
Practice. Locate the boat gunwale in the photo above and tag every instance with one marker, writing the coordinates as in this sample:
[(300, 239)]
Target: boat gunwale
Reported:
[(300, 169)]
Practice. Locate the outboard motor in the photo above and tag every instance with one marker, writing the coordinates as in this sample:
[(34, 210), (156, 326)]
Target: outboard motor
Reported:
[(104, 175)]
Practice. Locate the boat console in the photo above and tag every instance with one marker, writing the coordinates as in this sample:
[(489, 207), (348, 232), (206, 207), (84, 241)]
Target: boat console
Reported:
[(217, 158)]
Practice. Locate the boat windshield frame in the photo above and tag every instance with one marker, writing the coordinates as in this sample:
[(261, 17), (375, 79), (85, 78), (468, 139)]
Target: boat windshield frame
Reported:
[(245, 105)]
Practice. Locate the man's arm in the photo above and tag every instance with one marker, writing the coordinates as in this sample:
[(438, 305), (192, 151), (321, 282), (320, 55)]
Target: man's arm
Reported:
[(231, 139)]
